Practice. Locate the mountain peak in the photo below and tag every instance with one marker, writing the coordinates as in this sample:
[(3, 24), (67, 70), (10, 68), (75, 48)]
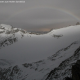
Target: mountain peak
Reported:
[(5, 26)]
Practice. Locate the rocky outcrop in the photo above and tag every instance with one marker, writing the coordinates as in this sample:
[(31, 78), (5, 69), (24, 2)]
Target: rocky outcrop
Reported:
[(10, 73), (67, 78), (8, 41), (76, 71)]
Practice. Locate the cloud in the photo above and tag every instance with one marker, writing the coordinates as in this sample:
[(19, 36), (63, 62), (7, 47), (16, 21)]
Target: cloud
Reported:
[(38, 12)]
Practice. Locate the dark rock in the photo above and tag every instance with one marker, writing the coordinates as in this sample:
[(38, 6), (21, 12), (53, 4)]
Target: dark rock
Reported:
[(76, 71), (67, 78), (10, 73)]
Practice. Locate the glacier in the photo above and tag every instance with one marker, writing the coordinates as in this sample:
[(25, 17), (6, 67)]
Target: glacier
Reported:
[(26, 56)]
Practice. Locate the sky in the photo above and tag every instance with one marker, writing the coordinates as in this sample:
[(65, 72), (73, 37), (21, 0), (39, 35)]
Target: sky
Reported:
[(37, 14)]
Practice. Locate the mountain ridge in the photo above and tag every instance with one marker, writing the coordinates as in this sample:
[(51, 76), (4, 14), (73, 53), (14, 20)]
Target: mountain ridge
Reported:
[(56, 66)]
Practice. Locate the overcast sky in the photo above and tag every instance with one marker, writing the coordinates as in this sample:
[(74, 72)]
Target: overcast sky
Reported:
[(40, 13)]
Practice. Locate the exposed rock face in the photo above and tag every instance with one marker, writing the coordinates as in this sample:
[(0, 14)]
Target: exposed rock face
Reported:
[(11, 73), (76, 71), (67, 78), (8, 41)]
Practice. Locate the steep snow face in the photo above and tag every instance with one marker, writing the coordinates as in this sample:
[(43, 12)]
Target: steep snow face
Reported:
[(29, 56)]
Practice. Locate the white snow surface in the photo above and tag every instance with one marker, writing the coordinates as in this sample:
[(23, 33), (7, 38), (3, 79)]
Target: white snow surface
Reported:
[(37, 55)]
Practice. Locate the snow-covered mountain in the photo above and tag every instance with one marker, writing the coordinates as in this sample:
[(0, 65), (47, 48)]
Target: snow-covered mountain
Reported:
[(26, 56)]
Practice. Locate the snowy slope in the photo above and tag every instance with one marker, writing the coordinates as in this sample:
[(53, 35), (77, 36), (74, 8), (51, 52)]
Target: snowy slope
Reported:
[(38, 57)]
